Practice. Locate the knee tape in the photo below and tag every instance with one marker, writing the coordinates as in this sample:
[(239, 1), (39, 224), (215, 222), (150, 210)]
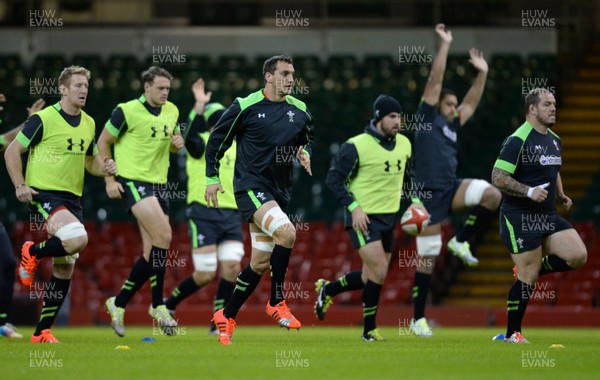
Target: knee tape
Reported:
[(231, 250), (205, 262), (70, 231), (474, 191), (273, 219), (68, 259), (262, 242), (429, 245)]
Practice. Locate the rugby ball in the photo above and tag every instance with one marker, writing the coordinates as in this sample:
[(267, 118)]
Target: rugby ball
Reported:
[(414, 221)]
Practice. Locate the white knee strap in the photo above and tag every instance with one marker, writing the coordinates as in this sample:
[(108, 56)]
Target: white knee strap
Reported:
[(474, 191), (273, 219), (205, 262), (230, 250), (429, 245), (262, 242), (68, 259), (70, 231)]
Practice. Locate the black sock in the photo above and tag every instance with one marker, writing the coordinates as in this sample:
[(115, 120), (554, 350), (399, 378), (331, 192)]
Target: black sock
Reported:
[(518, 297), (553, 263), (245, 285), (183, 291), (349, 281), (54, 296), (370, 300), (158, 267), (420, 290), (7, 274), (223, 295), (50, 248), (137, 278), (280, 259), (478, 218)]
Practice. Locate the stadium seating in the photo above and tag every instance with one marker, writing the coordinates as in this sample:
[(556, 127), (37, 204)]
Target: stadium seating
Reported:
[(341, 91)]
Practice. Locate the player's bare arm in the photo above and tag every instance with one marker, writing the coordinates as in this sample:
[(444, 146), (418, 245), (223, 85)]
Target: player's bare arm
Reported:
[(418, 206), (177, 142), (433, 88), (12, 134), (36, 106), (560, 193), (304, 159), (471, 100), (210, 195), (100, 167), (510, 186), (14, 165), (507, 184), (202, 97), (360, 220), (113, 188)]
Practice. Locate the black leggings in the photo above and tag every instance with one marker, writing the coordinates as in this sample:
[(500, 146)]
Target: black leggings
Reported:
[(7, 272)]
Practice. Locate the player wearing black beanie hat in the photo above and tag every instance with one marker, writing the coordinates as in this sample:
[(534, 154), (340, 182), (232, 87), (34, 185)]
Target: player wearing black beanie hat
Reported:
[(383, 106)]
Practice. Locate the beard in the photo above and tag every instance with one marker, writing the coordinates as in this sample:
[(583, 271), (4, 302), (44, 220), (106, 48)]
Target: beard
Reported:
[(546, 123)]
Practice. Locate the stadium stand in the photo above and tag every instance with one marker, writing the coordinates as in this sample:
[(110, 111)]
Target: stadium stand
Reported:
[(341, 90)]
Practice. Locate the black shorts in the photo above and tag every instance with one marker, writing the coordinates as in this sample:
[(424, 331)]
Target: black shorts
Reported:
[(524, 231), (137, 190), (250, 200), (208, 226), (380, 228), (439, 202), (47, 202)]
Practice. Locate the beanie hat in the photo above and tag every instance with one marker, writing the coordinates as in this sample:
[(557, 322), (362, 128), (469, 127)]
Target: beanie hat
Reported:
[(383, 106)]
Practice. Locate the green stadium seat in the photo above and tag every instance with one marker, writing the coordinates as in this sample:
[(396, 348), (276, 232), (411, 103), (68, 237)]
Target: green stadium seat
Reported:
[(10, 61), (233, 63), (199, 62), (89, 61), (342, 67), (511, 62), (307, 62), (51, 65), (123, 62), (379, 66)]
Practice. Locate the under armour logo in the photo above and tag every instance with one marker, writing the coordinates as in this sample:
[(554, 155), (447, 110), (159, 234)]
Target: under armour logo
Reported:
[(46, 206), (520, 242), (555, 144), (291, 115), (260, 195), (141, 190), (261, 115), (154, 130), (387, 165), (200, 239), (71, 144)]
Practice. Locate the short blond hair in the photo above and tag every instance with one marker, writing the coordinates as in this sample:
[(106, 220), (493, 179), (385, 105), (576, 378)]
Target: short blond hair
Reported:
[(68, 72)]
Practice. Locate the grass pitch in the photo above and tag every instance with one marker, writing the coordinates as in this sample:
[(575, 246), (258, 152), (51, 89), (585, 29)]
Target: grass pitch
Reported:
[(311, 353)]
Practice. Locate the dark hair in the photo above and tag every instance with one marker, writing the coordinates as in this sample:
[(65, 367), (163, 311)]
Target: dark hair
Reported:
[(533, 97), (153, 72), (271, 63), (445, 92)]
